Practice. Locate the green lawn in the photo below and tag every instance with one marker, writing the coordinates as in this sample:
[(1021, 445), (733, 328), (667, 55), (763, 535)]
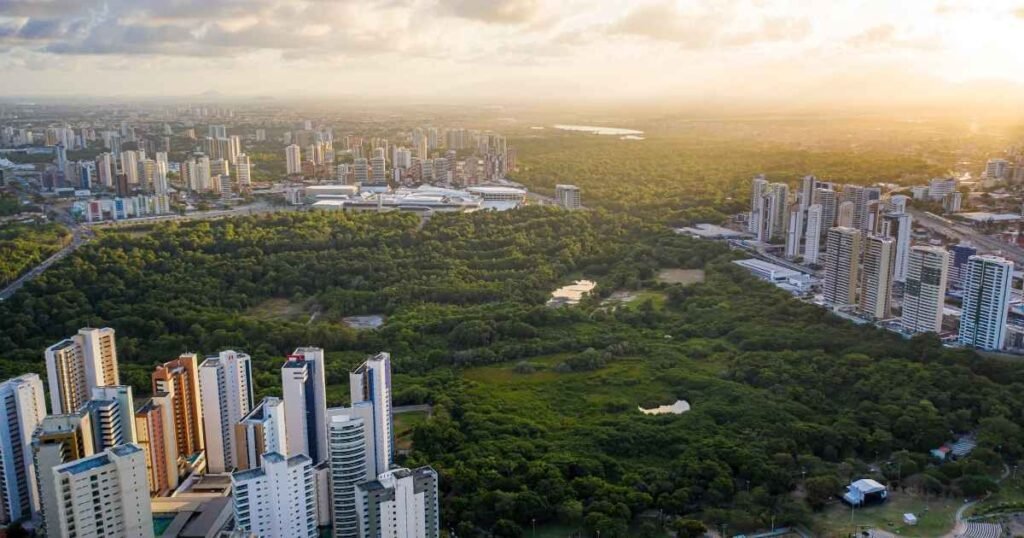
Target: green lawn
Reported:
[(404, 424), (1009, 498), (934, 516)]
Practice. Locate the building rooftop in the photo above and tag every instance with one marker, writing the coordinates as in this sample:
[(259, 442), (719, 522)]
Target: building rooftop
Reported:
[(83, 465)]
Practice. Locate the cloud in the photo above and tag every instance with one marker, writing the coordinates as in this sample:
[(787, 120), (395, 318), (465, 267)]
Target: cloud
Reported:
[(714, 25), (41, 29), (492, 11), (1019, 12), (887, 36)]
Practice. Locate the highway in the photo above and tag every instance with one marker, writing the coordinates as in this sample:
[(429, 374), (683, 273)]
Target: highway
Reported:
[(80, 235), (961, 232)]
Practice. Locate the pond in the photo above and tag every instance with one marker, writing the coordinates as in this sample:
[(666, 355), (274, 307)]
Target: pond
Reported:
[(678, 408), (571, 293), (364, 322)]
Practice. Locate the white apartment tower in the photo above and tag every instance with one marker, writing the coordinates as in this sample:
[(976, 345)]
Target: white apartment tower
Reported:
[(842, 266), (304, 388), (567, 196), (924, 293), (225, 393), (293, 159), (812, 243), (23, 409), (371, 383), (986, 302), (876, 277), (794, 232), (898, 226), (102, 495), (277, 499), (758, 188), (827, 199), (243, 171), (260, 432), (400, 504), (350, 462), (74, 367), (113, 416)]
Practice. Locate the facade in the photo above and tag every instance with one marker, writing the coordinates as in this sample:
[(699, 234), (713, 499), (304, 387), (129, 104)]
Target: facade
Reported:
[(812, 242), (925, 291), (225, 392), (112, 411), (899, 227), (361, 170), (842, 266), (154, 424), (59, 439), (845, 218), (278, 499), (261, 431), (293, 159), (759, 186), (243, 170), (568, 196), (101, 495), (959, 256), (371, 383), (180, 379), (305, 401), (829, 206), (23, 410), (79, 364), (350, 450), (986, 302), (795, 231), (876, 277), (400, 504)]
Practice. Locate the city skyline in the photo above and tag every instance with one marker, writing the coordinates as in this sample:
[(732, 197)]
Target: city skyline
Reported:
[(522, 50)]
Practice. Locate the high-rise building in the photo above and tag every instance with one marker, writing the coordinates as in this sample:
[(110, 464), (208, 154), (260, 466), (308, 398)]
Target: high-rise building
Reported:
[(795, 230), (812, 243), (361, 169), (154, 424), (842, 266), (278, 498), (59, 439), (568, 196), (371, 382), (218, 131), (234, 149), (105, 169), (243, 171), (293, 159), (986, 302), (262, 431), (400, 503), (180, 379), (402, 158), (759, 186), (959, 255), (845, 217), (225, 392), (829, 207), (305, 398), (997, 169), (899, 227), (351, 458), (79, 364), (940, 187), (924, 293), (130, 166), (204, 174), (23, 410), (378, 165), (104, 494), (876, 276), (112, 412)]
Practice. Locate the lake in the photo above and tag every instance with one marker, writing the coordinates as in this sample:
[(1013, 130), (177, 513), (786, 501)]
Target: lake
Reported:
[(593, 129), (678, 408)]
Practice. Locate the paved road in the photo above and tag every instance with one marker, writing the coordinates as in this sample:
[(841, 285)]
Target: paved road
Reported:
[(962, 232), (80, 236)]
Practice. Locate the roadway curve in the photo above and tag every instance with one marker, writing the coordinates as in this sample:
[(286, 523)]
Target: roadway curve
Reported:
[(961, 232)]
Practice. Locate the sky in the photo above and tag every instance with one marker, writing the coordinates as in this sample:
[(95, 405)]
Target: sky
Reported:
[(600, 50)]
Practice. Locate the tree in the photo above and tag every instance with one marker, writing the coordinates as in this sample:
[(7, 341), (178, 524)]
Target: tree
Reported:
[(688, 528), (821, 489)]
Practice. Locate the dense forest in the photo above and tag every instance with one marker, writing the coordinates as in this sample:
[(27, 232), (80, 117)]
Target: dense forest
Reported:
[(699, 177), (25, 245), (536, 416)]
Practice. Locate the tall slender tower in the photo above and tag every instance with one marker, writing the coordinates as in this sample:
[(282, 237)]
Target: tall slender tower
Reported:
[(305, 402), (225, 389), (112, 409), (842, 265), (180, 379), (371, 383), (74, 367), (261, 431), (278, 498), (986, 302), (876, 276), (23, 409), (812, 243), (154, 422), (924, 294)]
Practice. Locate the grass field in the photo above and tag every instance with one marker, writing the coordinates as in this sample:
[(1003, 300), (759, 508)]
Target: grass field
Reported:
[(681, 276), (279, 309), (1010, 496), (404, 425), (934, 517)]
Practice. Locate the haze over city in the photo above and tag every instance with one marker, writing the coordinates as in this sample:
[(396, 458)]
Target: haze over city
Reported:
[(873, 52)]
